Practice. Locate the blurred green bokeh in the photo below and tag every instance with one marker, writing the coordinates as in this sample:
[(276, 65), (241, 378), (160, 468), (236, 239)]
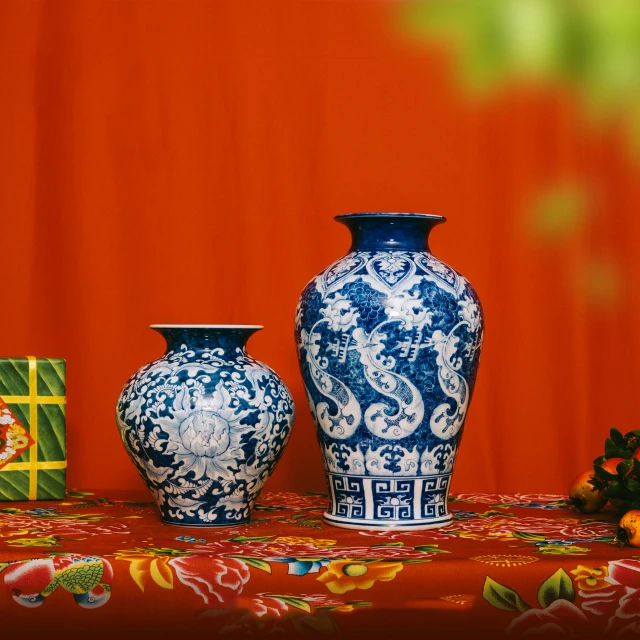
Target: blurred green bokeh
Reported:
[(559, 211), (591, 46)]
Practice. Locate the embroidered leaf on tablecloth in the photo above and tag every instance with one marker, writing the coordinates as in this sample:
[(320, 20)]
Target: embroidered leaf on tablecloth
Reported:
[(253, 562), (557, 587), (430, 548), (502, 597), (534, 537)]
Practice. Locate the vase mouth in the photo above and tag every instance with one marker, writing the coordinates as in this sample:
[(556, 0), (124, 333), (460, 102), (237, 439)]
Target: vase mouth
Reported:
[(255, 327), (390, 214)]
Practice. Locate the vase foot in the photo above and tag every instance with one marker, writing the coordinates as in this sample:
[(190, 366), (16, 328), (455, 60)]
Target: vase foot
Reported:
[(383, 503), (372, 525)]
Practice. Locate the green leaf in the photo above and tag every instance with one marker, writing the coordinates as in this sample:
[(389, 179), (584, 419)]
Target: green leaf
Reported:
[(632, 484), (430, 548), (251, 539), (599, 460), (253, 562), (636, 466), (556, 587), (389, 544), (297, 603), (613, 490), (502, 597), (624, 467), (415, 561), (610, 449), (603, 474), (617, 437), (534, 537)]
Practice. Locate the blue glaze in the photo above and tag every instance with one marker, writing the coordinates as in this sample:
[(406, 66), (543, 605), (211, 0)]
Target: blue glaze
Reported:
[(202, 338), (205, 425), (389, 231), (389, 340)]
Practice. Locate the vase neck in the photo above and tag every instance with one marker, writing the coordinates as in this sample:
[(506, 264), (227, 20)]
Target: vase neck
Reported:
[(390, 231), (201, 337)]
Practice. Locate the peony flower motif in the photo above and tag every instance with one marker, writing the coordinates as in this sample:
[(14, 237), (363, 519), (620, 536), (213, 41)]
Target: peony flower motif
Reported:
[(340, 313), (206, 442), (622, 588), (215, 580), (624, 572), (591, 579), (348, 574), (601, 602), (264, 607), (560, 618)]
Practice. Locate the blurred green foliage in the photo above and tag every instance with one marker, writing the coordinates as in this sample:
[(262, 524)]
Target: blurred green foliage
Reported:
[(592, 46), (559, 211)]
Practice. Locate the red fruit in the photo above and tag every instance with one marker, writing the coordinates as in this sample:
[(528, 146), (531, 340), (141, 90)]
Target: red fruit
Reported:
[(583, 496), (611, 464)]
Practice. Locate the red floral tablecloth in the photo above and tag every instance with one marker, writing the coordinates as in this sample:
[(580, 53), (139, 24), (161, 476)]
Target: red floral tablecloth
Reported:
[(509, 564)]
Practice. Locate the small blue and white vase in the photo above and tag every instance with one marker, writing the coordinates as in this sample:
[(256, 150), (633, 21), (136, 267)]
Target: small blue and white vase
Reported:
[(389, 340), (205, 424)]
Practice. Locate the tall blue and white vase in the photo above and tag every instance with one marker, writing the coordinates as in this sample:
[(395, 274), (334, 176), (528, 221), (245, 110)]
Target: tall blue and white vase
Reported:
[(389, 340), (205, 424)]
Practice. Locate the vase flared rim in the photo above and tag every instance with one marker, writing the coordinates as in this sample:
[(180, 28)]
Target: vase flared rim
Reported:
[(207, 326), (390, 214)]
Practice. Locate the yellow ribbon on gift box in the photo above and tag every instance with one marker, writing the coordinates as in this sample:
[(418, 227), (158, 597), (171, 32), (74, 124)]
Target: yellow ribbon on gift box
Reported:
[(33, 400)]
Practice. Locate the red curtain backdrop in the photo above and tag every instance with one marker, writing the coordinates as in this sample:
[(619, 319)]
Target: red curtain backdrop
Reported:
[(181, 162)]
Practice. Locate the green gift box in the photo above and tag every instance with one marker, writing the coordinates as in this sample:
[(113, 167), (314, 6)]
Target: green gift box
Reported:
[(33, 452)]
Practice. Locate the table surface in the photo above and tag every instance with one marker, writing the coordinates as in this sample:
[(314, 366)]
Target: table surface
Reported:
[(508, 564)]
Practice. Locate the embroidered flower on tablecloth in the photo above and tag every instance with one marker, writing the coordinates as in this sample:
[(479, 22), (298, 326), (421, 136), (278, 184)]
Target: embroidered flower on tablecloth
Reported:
[(590, 578), (345, 575), (560, 618)]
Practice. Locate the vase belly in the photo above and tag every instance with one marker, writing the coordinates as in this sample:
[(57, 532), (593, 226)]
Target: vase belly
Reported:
[(389, 344)]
